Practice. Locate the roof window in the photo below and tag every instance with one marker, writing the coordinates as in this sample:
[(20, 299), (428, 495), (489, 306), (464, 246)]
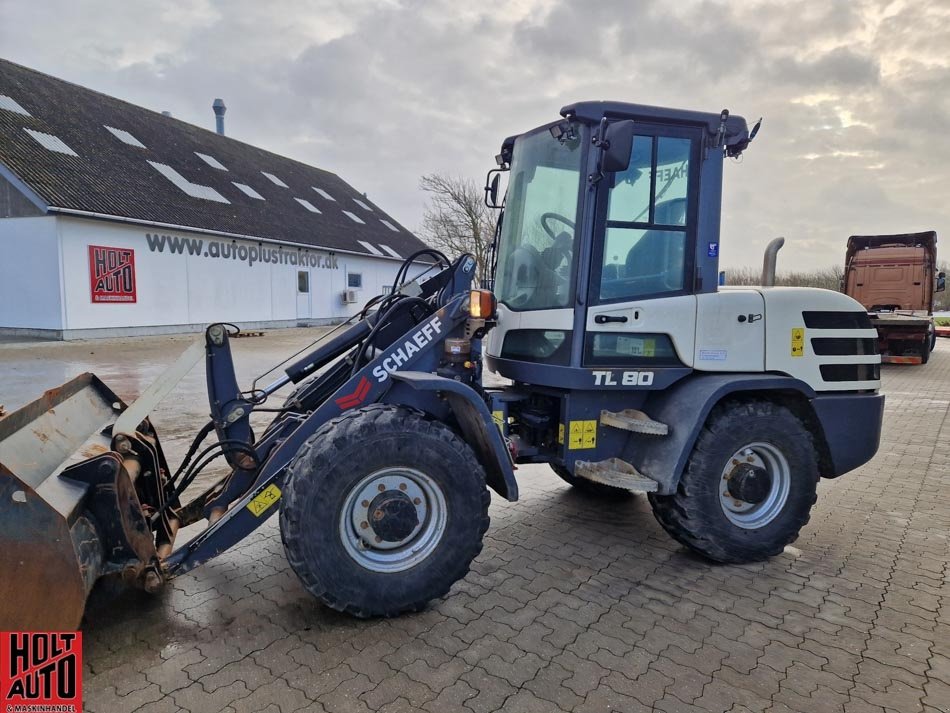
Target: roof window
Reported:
[(51, 143), (371, 248), (389, 225), (355, 218), (211, 161), (10, 104), (247, 190), (361, 204), (124, 136), (323, 193), (308, 205), (390, 251), (195, 190), (273, 179)]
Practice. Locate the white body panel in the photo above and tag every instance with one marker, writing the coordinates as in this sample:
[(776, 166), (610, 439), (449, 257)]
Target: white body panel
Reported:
[(508, 320), (784, 307), (723, 343), (708, 335), (675, 316)]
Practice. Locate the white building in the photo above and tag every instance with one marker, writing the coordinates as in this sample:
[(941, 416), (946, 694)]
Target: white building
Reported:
[(118, 220)]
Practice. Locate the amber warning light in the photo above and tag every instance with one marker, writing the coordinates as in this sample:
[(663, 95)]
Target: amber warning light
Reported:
[(482, 304)]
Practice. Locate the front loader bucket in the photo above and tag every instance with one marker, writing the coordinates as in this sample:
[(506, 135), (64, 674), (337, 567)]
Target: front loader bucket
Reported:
[(51, 543)]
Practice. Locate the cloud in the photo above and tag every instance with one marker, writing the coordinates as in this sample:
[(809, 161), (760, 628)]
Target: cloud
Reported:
[(855, 95)]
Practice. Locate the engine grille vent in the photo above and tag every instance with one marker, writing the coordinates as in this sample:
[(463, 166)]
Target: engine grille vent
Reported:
[(843, 346), (837, 320), (850, 372)]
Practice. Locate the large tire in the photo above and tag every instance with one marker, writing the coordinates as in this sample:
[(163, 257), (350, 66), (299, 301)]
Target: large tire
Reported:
[(589, 486), (402, 462), (743, 438)]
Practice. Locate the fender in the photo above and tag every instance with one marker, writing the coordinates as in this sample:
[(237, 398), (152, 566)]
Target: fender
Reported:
[(478, 428), (685, 407)]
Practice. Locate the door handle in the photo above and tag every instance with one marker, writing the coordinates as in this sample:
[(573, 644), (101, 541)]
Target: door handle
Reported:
[(605, 318)]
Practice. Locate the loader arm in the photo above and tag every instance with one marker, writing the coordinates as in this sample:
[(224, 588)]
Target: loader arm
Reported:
[(417, 350)]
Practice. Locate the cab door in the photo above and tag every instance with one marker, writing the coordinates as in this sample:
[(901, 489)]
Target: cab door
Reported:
[(642, 310)]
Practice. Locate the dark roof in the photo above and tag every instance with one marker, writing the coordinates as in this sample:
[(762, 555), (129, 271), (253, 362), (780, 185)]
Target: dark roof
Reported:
[(111, 177)]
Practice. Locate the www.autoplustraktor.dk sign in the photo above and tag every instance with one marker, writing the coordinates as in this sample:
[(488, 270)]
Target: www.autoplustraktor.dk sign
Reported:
[(112, 274)]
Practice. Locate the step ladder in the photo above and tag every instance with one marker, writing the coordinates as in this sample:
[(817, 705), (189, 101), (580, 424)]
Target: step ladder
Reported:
[(634, 421), (616, 473)]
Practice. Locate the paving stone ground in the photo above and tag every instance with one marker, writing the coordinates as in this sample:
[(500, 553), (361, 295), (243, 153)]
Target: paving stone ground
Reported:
[(581, 604)]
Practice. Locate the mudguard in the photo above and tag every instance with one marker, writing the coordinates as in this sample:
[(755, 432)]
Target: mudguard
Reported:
[(685, 406), (478, 428)]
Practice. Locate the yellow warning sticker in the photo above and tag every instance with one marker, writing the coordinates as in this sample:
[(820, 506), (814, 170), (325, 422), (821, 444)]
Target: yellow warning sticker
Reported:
[(798, 341), (582, 435), (499, 418), (560, 433), (264, 499)]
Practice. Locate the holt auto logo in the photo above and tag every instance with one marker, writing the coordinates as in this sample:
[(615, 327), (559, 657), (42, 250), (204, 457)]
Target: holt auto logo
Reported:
[(40, 672)]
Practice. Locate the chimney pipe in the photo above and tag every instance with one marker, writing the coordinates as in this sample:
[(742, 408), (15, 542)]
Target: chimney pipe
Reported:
[(166, 113), (219, 109), (768, 262)]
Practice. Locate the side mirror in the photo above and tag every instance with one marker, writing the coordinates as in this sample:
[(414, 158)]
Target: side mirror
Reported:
[(617, 144), (941, 282), (491, 188)]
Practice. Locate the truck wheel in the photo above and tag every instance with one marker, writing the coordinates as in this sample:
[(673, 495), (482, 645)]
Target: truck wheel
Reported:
[(382, 511), (748, 486), (589, 486)]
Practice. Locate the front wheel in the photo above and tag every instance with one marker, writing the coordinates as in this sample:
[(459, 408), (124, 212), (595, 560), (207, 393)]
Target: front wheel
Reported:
[(382, 511), (748, 487)]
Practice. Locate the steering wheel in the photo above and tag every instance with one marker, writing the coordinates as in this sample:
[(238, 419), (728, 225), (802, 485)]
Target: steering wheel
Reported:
[(545, 217)]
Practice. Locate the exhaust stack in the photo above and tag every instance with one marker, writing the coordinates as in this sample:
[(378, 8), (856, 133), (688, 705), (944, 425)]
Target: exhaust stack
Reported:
[(219, 108), (768, 262)]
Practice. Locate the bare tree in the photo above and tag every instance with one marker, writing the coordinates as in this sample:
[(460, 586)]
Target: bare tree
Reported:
[(828, 278), (457, 220)]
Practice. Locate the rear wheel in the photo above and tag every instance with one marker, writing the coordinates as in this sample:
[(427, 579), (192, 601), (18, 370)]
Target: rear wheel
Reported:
[(383, 511), (748, 486)]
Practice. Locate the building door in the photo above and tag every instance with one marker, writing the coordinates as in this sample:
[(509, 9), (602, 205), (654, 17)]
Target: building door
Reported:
[(303, 294)]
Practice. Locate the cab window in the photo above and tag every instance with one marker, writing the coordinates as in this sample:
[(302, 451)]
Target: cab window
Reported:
[(645, 238)]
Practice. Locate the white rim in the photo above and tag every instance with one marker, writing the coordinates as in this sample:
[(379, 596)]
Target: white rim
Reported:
[(364, 545), (752, 516)]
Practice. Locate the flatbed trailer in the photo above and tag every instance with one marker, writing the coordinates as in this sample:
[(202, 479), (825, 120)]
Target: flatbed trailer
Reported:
[(894, 277)]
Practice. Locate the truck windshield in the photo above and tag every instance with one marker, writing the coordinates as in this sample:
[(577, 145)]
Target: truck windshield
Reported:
[(536, 258)]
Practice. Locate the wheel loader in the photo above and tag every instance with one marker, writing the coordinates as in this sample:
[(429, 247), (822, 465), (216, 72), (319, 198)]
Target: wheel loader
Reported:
[(629, 370)]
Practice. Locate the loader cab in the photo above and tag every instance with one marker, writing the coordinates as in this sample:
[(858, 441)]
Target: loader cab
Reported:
[(585, 254)]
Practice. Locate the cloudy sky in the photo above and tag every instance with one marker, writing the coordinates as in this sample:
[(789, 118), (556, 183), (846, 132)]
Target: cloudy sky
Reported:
[(855, 94)]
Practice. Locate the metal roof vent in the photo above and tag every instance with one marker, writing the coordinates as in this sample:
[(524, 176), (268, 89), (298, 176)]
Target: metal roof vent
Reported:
[(247, 190), (368, 246), (308, 205), (211, 161), (124, 136), (195, 190), (273, 179), (10, 104), (355, 218), (50, 142), (219, 108)]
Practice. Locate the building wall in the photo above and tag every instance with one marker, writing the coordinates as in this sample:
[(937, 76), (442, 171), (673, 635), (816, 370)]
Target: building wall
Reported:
[(182, 280), (30, 289), (13, 204)]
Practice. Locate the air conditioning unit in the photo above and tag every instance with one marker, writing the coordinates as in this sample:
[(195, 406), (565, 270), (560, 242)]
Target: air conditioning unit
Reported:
[(349, 297)]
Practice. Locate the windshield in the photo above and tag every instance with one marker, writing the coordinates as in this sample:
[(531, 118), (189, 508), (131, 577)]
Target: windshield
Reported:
[(538, 235)]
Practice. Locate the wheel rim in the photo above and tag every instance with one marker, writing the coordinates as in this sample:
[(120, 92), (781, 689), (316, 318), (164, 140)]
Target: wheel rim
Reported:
[(760, 512), (393, 519)]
